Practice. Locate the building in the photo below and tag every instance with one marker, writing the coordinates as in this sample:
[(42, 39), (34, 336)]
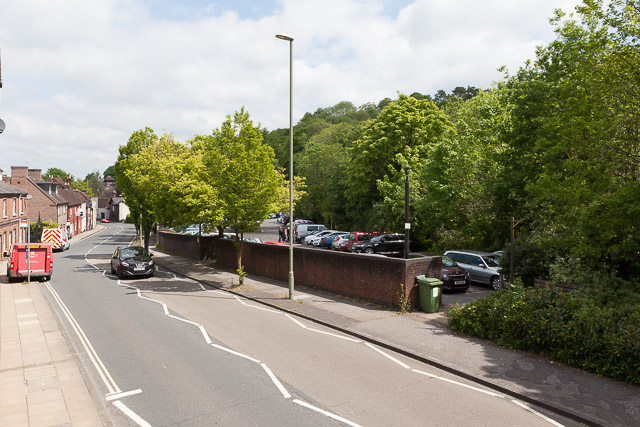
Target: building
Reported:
[(13, 208), (46, 203), (79, 209)]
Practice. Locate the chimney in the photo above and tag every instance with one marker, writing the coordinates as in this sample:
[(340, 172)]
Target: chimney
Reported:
[(19, 171), (35, 174)]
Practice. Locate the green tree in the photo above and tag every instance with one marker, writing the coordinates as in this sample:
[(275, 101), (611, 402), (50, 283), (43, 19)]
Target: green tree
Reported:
[(56, 173), (110, 171), (93, 183)]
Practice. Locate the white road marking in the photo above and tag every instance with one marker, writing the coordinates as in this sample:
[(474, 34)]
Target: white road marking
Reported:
[(205, 334), (490, 393), (533, 411), (276, 381), (388, 356), (239, 300), (327, 413), (95, 359), (342, 337), (228, 350), (264, 309), (295, 320), (129, 413), (182, 319), (116, 396)]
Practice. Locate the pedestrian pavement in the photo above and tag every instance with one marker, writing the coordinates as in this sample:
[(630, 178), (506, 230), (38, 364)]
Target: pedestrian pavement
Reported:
[(40, 380), (577, 396)]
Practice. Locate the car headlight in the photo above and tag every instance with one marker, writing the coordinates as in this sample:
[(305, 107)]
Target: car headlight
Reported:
[(125, 264), (151, 262)]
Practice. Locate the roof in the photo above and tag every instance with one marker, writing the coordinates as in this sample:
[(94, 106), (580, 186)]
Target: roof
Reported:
[(9, 189), (73, 197)]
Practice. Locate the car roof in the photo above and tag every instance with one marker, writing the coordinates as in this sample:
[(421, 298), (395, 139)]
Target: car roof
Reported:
[(471, 252)]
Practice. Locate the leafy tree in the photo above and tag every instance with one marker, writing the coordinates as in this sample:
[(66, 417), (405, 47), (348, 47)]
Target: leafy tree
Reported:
[(399, 136), (56, 173), (128, 172), (110, 171), (93, 183)]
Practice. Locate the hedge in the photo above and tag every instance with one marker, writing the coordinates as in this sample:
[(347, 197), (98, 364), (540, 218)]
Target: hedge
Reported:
[(565, 326)]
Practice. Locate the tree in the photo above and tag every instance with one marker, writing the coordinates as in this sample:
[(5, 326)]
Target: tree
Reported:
[(56, 173), (110, 171), (128, 174), (94, 183), (399, 136), (242, 167)]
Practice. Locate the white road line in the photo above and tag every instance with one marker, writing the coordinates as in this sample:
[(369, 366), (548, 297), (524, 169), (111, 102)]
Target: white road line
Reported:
[(95, 359), (490, 393), (205, 334), (239, 300), (342, 337), (117, 396), (183, 319), (228, 350), (295, 320), (388, 356), (533, 411), (264, 309), (275, 380), (328, 414), (129, 413)]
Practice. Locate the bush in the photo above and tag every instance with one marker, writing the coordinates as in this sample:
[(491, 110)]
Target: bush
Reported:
[(567, 326)]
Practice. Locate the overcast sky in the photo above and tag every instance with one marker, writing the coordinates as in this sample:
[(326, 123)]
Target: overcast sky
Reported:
[(79, 76)]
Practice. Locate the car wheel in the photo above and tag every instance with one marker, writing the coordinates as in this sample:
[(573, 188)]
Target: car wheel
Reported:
[(495, 282), (368, 251)]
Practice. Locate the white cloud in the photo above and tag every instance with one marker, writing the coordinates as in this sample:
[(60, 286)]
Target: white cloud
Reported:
[(80, 76)]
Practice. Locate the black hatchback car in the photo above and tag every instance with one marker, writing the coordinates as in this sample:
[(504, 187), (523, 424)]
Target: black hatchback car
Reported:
[(385, 244), (131, 261)]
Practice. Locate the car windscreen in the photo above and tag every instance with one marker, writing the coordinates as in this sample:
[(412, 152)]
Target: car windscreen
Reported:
[(491, 262), (132, 252), (448, 262)]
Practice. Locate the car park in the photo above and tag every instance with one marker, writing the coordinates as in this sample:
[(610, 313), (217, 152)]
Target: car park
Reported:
[(132, 261), (358, 238), (481, 266), (454, 277), (384, 244)]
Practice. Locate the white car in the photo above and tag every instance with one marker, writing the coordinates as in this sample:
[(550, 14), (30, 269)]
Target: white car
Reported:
[(314, 239), (337, 239)]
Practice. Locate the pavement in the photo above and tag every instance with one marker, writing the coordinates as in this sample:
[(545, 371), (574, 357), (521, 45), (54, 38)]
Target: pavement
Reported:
[(40, 379), (41, 383)]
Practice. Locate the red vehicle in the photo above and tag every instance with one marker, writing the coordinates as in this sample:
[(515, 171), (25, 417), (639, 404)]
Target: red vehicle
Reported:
[(358, 237), (39, 262)]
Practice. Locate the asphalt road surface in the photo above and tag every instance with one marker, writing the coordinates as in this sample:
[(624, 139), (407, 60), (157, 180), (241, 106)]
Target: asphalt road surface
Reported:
[(164, 351)]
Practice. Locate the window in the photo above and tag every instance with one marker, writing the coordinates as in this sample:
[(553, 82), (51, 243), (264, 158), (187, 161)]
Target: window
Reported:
[(4, 208)]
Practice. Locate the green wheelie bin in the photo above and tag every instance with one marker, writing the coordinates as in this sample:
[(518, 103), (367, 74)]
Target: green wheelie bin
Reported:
[(430, 289)]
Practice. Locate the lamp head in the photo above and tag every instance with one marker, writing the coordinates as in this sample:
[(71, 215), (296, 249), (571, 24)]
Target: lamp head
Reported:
[(284, 37)]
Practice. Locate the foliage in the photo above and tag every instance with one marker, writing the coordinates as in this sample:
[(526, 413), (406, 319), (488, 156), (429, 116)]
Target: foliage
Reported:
[(110, 171), (93, 183), (566, 326), (56, 173)]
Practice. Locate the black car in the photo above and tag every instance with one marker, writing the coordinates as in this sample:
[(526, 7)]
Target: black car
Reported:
[(454, 277), (131, 261), (385, 244)]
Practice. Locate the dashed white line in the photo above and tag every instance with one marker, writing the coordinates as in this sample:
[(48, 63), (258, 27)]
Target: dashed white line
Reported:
[(276, 381), (327, 413), (533, 411), (490, 393), (388, 356)]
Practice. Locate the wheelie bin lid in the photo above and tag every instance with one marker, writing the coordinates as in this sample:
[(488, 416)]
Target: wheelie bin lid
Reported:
[(431, 281)]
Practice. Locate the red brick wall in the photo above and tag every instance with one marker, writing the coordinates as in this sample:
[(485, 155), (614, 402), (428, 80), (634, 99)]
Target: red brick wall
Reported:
[(374, 278)]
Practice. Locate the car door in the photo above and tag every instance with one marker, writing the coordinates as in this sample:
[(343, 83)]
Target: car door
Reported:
[(478, 270)]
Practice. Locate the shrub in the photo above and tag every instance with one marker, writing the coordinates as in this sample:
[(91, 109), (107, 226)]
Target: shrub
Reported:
[(567, 326)]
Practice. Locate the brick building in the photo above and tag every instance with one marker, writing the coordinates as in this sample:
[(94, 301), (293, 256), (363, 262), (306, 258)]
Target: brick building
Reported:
[(79, 209), (46, 203), (13, 208)]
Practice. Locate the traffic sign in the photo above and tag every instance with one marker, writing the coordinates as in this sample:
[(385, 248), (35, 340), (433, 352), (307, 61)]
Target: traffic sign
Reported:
[(24, 223)]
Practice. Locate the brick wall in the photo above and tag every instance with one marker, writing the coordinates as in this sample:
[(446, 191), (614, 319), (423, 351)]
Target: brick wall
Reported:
[(373, 278)]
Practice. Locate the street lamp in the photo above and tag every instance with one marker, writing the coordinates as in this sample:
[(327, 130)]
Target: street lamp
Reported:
[(290, 40), (407, 224)]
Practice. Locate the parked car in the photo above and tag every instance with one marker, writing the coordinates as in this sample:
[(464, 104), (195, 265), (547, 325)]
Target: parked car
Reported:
[(481, 266), (454, 277), (384, 244), (104, 220), (303, 230), (252, 240), (339, 238), (131, 261), (357, 238), (313, 239), (325, 242)]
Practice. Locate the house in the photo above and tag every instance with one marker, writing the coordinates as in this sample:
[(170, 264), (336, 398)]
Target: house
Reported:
[(79, 208), (13, 208), (46, 203), (118, 211)]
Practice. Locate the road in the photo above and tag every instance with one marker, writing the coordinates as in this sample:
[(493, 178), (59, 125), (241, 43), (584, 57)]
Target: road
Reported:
[(166, 351)]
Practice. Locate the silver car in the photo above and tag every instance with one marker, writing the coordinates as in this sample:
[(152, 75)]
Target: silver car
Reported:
[(481, 266)]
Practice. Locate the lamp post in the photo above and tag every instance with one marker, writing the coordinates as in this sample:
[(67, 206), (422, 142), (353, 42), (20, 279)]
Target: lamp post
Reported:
[(290, 40), (407, 224)]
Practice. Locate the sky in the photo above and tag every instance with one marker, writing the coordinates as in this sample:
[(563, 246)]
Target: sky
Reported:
[(80, 76)]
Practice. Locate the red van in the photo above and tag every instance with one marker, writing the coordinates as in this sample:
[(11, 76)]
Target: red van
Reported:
[(40, 264)]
